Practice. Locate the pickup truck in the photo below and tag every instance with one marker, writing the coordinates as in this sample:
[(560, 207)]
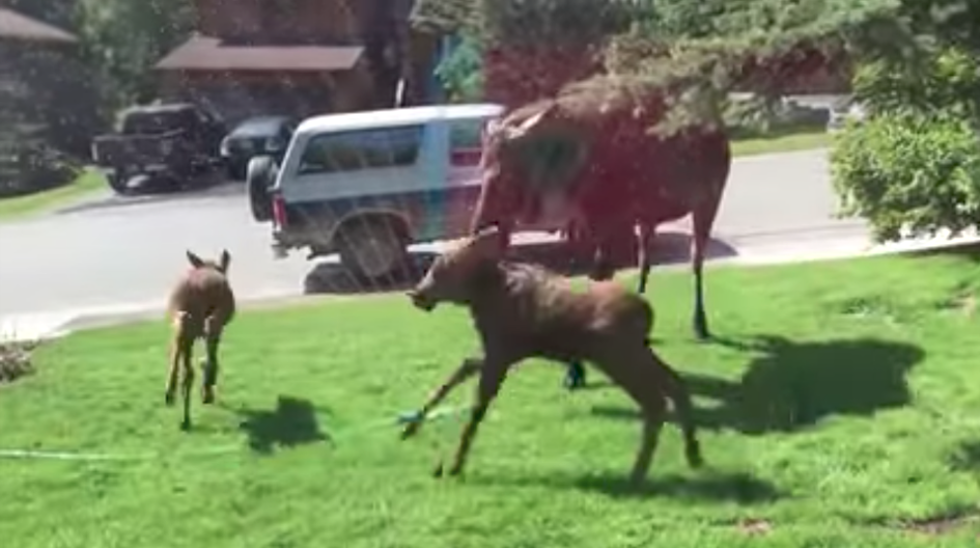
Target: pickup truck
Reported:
[(177, 143), (366, 185)]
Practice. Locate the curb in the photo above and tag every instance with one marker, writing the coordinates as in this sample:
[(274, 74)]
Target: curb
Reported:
[(55, 324)]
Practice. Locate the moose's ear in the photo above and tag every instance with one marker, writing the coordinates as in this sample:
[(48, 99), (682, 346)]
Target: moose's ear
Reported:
[(225, 260), (491, 241), (195, 261), (515, 133)]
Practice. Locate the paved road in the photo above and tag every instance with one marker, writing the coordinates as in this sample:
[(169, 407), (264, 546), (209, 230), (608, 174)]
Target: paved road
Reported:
[(131, 253)]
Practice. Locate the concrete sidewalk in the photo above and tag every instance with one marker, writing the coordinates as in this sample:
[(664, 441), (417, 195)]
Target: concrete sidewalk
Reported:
[(750, 251)]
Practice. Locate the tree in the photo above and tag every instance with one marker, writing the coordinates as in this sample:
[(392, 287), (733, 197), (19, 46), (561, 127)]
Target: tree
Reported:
[(123, 40), (914, 168), (48, 107), (52, 100), (696, 51), (461, 72)]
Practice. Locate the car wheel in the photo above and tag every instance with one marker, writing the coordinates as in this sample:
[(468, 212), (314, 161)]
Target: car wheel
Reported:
[(119, 184), (260, 175), (372, 249)]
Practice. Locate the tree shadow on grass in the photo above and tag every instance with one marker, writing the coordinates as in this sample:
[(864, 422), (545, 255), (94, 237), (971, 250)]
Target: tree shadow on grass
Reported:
[(293, 422), (739, 487), (330, 277), (742, 488), (792, 385), (966, 457)]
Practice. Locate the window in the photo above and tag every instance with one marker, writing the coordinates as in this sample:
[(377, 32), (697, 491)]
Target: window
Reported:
[(465, 133), (362, 149), (465, 147)]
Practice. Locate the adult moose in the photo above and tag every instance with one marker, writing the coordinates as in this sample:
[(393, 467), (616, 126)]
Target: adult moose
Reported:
[(590, 162)]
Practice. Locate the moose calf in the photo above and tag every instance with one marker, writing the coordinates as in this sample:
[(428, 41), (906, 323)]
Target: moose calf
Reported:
[(201, 305), (523, 311)]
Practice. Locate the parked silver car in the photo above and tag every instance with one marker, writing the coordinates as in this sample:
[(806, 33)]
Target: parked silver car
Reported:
[(844, 110)]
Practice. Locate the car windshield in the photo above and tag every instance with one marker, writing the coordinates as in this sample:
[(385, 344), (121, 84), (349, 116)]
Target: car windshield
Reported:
[(361, 149), (154, 122), (259, 127), (466, 133)]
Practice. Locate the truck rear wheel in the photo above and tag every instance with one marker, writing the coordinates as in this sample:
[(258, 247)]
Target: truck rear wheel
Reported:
[(118, 183), (373, 248), (259, 178)]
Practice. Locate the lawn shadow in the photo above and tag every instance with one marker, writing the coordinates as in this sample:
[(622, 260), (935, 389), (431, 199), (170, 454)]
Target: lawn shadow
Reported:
[(669, 248), (966, 457), (792, 385), (708, 485), (969, 250), (330, 277), (742, 488), (293, 422)]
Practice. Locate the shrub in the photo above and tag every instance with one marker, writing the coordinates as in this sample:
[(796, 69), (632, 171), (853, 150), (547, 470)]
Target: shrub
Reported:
[(461, 72), (909, 173), (15, 361)]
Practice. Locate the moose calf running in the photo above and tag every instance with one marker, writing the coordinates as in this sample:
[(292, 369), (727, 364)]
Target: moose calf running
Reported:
[(201, 305), (523, 311)]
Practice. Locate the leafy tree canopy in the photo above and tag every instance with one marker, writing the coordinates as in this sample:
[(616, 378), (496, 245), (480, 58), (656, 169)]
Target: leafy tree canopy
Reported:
[(695, 51)]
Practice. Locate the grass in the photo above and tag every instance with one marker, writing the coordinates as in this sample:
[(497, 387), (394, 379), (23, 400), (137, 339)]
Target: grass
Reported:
[(88, 182), (839, 409), (782, 142)]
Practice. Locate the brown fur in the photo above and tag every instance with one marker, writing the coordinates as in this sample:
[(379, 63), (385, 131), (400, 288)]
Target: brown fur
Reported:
[(523, 311), (201, 305)]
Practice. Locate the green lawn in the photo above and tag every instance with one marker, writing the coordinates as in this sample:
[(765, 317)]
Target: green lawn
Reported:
[(843, 409), (88, 182), (784, 142)]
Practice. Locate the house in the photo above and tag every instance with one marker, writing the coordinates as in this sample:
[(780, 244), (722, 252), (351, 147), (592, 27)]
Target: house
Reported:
[(18, 28), (296, 57), (43, 104)]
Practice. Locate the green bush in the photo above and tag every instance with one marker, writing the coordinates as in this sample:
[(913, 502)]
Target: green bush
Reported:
[(461, 72), (909, 174), (15, 361)]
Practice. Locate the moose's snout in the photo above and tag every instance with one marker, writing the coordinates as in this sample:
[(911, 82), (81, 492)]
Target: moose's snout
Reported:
[(421, 300)]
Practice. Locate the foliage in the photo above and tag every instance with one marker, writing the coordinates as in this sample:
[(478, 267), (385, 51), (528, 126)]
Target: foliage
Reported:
[(123, 40), (942, 81), (696, 52), (48, 109), (460, 72), (445, 16), (910, 174), (55, 98), (915, 167), (520, 22), (15, 361)]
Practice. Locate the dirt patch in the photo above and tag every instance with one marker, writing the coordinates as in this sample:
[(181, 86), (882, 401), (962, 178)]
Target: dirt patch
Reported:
[(939, 525), (755, 527), (964, 303), (15, 361)]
